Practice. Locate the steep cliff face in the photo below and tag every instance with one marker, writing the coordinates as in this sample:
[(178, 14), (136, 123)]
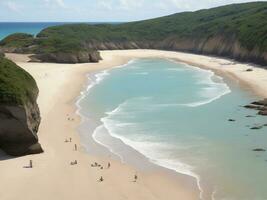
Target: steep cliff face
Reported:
[(19, 112), (220, 45), (73, 57), (18, 129)]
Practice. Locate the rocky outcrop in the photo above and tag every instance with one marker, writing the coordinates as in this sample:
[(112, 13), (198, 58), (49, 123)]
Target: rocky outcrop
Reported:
[(79, 57), (220, 45), (18, 43), (259, 149), (261, 106), (19, 112), (18, 129)]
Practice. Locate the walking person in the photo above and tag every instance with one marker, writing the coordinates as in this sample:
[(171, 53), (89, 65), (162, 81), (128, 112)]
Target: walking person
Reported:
[(101, 179), (135, 178), (30, 165)]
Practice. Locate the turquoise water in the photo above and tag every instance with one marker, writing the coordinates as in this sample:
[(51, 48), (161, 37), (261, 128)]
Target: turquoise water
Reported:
[(177, 116), (7, 28)]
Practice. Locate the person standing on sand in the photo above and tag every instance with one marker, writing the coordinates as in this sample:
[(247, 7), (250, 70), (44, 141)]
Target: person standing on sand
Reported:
[(109, 165), (70, 139), (30, 165), (75, 147), (135, 178)]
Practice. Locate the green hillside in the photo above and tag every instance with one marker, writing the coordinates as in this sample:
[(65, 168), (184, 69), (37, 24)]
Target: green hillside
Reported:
[(237, 31), (16, 85)]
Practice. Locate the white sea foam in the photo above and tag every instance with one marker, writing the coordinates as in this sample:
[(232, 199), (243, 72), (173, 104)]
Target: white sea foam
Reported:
[(154, 151), (176, 69), (214, 91), (142, 73), (101, 128)]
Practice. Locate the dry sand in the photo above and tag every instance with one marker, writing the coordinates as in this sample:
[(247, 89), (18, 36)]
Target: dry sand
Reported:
[(52, 177)]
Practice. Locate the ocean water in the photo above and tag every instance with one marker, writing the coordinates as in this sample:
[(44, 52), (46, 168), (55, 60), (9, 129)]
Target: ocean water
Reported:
[(7, 28), (177, 116)]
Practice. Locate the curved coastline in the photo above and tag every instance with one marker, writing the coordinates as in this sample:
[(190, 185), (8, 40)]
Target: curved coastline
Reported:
[(55, 105), (184, 168)]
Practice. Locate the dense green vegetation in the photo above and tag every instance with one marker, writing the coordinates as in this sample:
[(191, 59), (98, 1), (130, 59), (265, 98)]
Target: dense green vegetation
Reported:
[(16, 85), (247, 22), (19, 40), (244, 23)]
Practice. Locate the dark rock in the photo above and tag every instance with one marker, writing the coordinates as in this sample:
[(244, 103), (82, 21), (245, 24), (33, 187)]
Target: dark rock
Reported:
[(259, 149), (19, 112), (263, 112), (256, 127), (95, 56), (249, 70), (261, 103), (250, 116), (18, 129), (77, 57), (251, 106), (231, 120)]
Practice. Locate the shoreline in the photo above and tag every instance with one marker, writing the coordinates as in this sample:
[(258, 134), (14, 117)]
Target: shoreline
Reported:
[(74, 78), (143, 162)]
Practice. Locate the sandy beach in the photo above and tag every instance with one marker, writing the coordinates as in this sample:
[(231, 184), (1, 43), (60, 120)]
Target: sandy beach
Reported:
[(52, 176)]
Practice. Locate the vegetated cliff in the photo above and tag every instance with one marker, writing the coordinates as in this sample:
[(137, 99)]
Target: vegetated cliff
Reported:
[(18, 43), (19, 112), (67, 57), (237, 31)]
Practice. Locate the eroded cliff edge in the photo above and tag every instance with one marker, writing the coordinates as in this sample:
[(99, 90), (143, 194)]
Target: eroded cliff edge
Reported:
[(19, 112)]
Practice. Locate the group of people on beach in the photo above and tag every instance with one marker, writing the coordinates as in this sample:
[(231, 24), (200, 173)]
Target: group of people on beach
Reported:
[(75, 162)]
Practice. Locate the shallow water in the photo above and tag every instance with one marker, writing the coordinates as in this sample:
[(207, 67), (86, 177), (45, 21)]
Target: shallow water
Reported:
[(177, 116)]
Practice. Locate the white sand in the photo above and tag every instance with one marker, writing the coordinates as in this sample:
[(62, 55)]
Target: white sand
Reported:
[(52, 177)]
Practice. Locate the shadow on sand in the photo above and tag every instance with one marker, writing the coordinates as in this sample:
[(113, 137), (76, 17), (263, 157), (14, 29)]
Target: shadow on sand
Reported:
[(4, 156)]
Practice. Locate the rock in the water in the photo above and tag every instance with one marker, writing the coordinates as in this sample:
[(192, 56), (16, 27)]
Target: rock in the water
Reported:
[(231, 120), (263, 112), (259, 149), (251, 106), (249, 70), (259, 105), (261, 102), (256, 127)]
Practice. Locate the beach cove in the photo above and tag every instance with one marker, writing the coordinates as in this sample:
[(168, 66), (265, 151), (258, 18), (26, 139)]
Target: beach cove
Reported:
[(52, 176)]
